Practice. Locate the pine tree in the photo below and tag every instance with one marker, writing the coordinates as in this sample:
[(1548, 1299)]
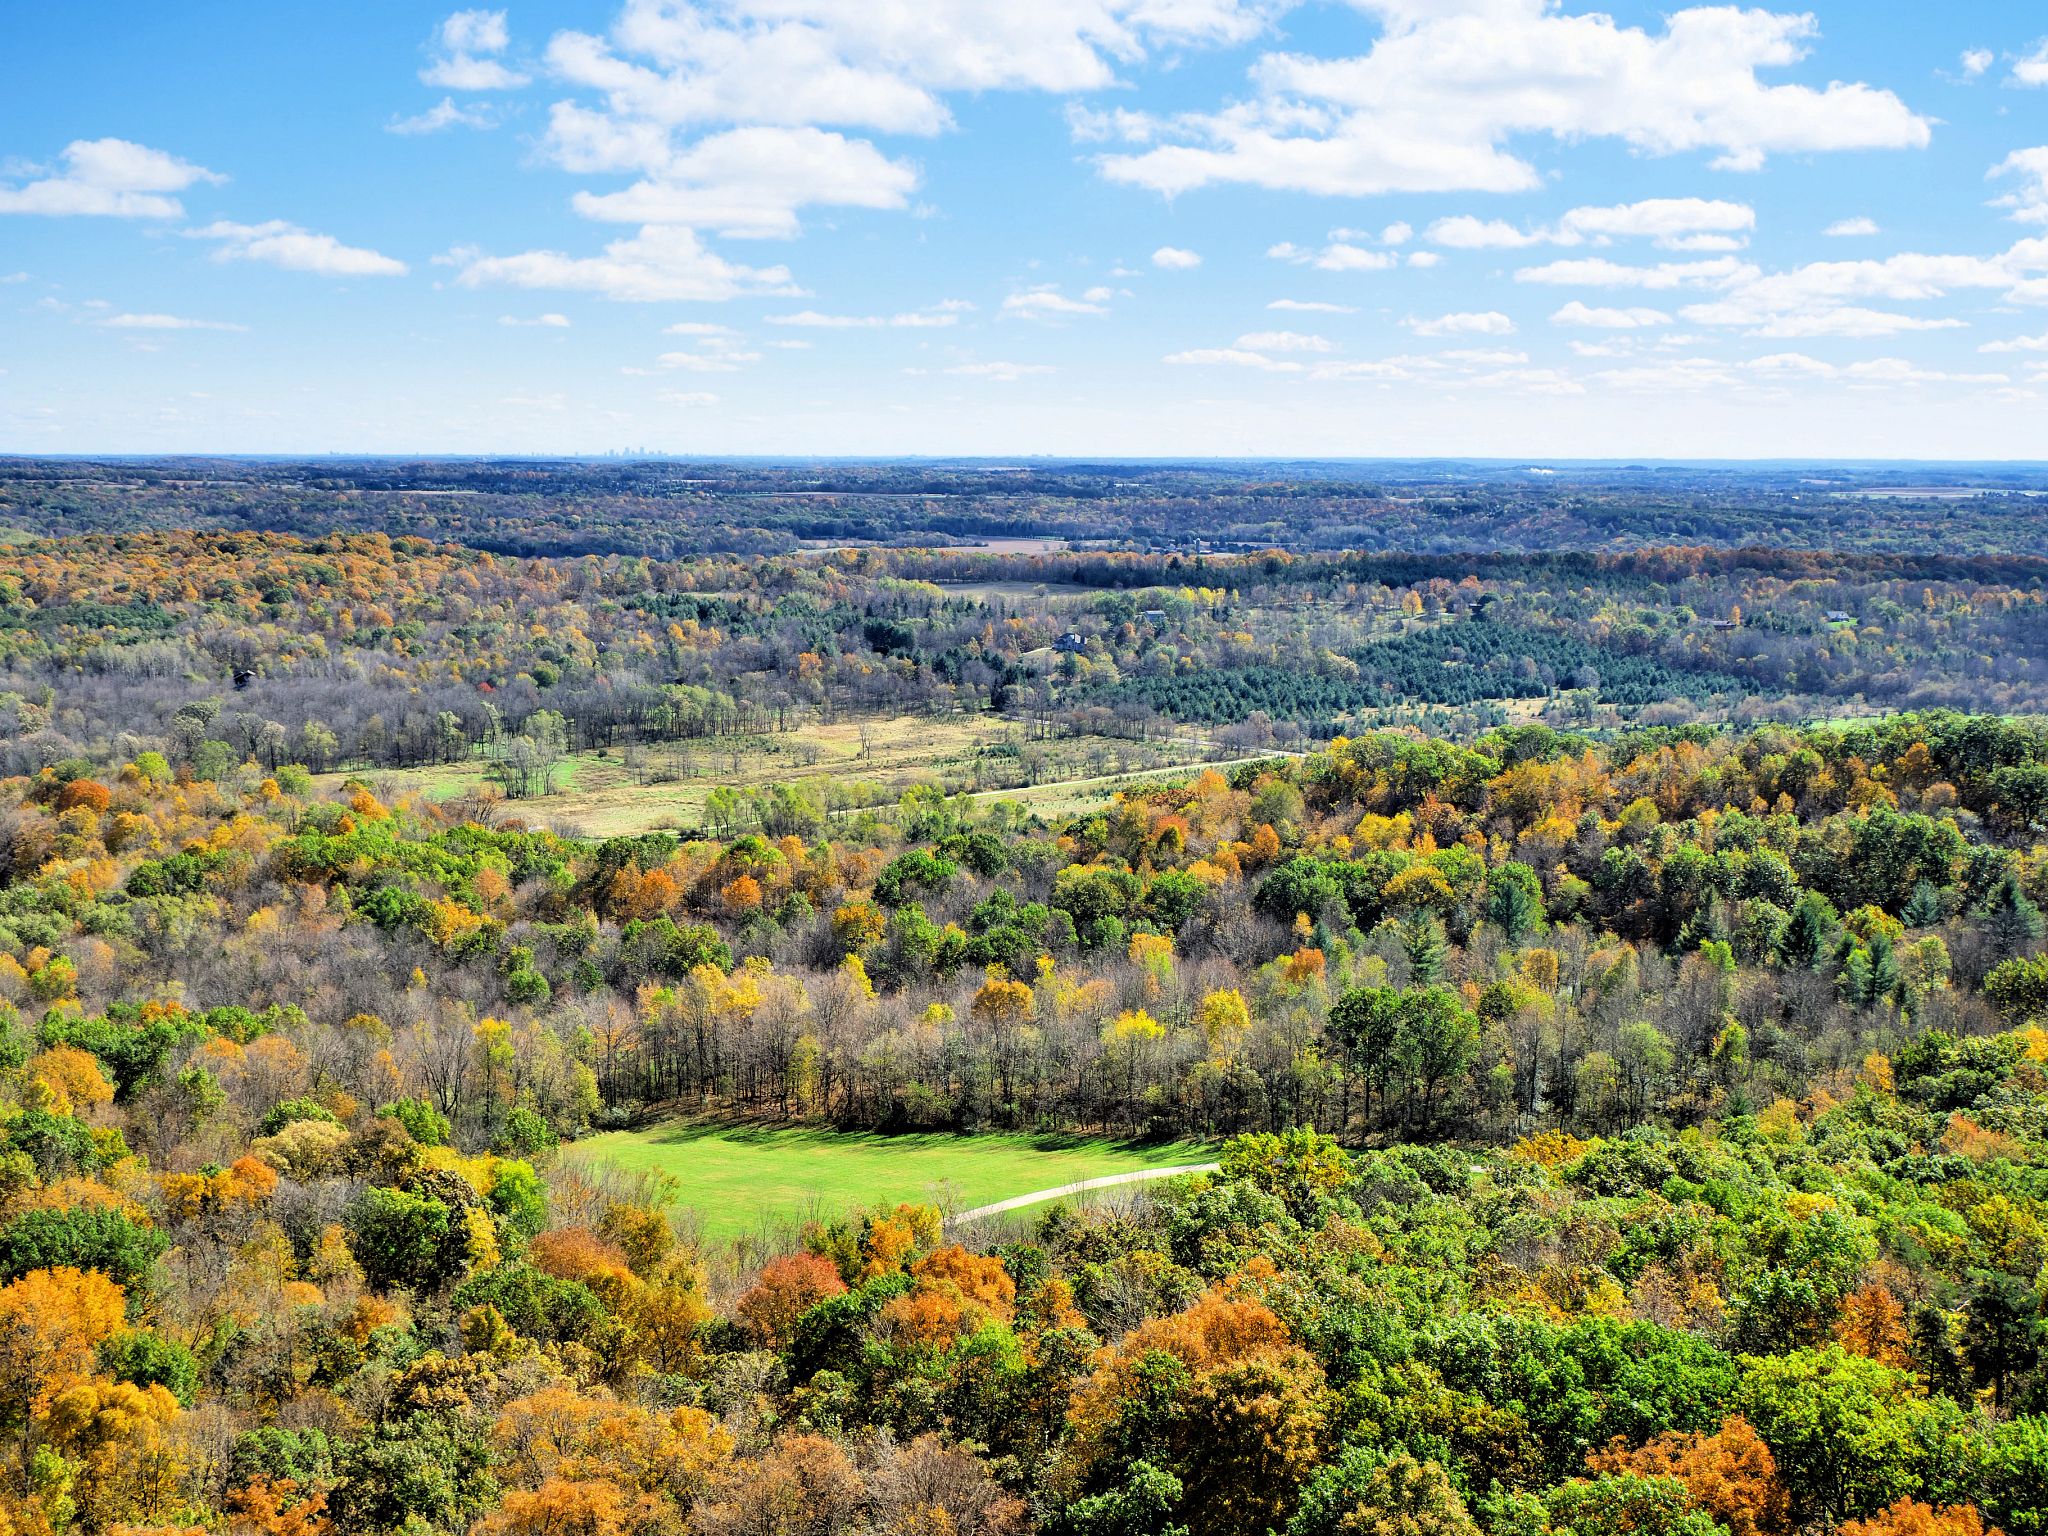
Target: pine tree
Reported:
[(1923, 907), (1422, 940)]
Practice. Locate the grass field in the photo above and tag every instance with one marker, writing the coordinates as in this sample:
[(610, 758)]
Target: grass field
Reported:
[(602, 795), (748, 1180)]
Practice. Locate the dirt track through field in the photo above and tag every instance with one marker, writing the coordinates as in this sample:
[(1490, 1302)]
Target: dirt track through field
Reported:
[(1060, 1191)]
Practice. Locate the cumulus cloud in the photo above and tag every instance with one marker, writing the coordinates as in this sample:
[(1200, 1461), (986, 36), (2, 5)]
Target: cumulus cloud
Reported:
[(1598, 272), (1673, 223), (661, 264), (1312, 307), (1172, 258), (1045, 302), (2032, 68), (1284, 341), (1488, 323), (112, 178), (153, 322), (1337, 256), (1230, 357), (467, 47), (1433, 105), (552, 322), (445, 115), (2029, 204), (1851, 229), (1578, 313), (2018, 344), (279, 244), (1870, 372), (1975, 61), (752, 182), (945, 313), (1838, 298)]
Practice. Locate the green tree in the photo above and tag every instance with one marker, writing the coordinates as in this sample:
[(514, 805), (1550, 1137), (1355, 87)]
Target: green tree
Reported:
[(1436, 1041), (1514, 901), (405, 1239), (1423, 942), (101, 1237), (1365, 1022), (1845, 1430)]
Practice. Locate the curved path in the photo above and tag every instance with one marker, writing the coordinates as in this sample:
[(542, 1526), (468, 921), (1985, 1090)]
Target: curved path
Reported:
[(1107, 1181)]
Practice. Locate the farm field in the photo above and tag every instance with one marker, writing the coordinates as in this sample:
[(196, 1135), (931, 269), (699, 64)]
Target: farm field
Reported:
[(742, 1180), (604, 795)]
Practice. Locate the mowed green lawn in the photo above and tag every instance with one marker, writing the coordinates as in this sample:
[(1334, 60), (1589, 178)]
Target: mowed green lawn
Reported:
[(754, 1180)]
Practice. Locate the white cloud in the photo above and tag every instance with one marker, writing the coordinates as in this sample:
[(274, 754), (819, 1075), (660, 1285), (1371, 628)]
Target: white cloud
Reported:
[(1465, 233), (1489, 323), (2033, 68), (1172, 258), (934, 316), (751, 182), (1046, 302), (1677, 374), (1001, 373), (1831, 298), (1851, 229), (697, 328), (2018, 344), (279, 244), (1480, 357), (1229, 357), (661, 264), (548, 321), (1312, 307), (689, 397), (1977, 60), (164, 323), (1283, 341), (1849, 321), (1674, 223), (884, 67), (1534, 381), (1379, 371), (1337, 256), (467, 45), (2029, 205), (113, 178), (713, 359), (1598, 272), (1875, 372), (1578, 313), (1666, 220), (1435, 102), (446, 115)]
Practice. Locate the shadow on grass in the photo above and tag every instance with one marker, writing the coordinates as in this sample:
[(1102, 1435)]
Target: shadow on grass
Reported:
[(682, 1132)]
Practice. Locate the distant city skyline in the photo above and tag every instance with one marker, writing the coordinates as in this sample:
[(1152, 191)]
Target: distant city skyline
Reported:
[(1399, 228)]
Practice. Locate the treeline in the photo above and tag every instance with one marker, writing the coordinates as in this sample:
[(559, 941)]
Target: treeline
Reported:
[(671, 509)]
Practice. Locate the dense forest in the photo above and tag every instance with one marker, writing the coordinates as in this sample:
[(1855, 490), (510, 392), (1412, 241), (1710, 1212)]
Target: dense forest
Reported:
[(369, 651), (1633, 1086), (668, 509)]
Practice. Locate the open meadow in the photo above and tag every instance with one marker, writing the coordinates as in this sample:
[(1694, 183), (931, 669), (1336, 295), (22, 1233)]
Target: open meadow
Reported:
[(615, 793), (743, 1180)]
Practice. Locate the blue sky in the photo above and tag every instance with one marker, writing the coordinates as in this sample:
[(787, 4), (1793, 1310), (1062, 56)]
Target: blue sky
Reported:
[(1096, 227)]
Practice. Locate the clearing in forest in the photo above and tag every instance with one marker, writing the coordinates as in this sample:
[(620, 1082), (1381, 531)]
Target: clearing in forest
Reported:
[(870, 761), (746, 1180)]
